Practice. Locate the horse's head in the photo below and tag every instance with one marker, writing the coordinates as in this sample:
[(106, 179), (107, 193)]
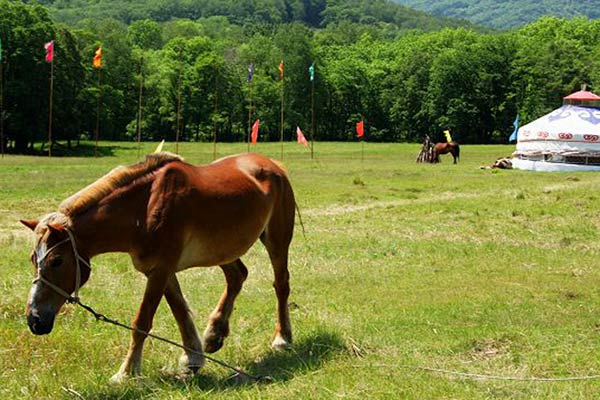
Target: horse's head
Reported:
[(59, 271)]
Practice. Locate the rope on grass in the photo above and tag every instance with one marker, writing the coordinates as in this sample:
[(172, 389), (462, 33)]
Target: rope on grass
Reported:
[(488, 377)]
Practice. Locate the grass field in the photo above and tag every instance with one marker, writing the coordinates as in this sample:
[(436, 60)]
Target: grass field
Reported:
[(401, 267)]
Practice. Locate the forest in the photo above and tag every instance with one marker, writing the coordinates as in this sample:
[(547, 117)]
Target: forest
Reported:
[(406, 74), (508, 13)]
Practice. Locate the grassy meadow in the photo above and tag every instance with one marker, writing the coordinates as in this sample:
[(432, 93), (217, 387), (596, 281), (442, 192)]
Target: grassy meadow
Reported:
[(402, 266)]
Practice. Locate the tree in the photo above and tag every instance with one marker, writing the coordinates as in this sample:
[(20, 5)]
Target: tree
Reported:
[(145, 34), (24, 30)]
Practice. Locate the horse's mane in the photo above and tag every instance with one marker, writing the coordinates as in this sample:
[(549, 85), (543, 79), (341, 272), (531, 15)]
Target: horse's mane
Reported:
[(117, 178)]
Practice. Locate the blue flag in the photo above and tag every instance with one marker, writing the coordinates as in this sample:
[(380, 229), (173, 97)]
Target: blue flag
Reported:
[(250, 72), (513, 136)]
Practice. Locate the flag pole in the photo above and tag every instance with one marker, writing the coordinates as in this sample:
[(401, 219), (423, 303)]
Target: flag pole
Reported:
[(312, 108), (1, 105), (362, 155), (50, 105), (178, 122), (215, 122), (281, 127), (360, 132), (362, 151), (99, 102), (139, 116), (249, 116)]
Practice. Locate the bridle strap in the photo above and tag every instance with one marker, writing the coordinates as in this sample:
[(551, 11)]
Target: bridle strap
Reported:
[(77, 267), (78, 258), (70, 299)]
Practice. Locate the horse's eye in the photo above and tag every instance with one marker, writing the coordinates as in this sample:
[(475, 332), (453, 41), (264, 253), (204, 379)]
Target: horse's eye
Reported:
[(56, 262)]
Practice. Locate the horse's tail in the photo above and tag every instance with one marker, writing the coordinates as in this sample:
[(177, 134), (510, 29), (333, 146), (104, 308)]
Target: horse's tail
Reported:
[(457, 151), (285, 172), (300, 219)]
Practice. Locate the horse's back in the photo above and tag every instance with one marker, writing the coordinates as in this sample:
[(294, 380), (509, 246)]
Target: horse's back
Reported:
[(223, 207), (259, 169), (231, 176)]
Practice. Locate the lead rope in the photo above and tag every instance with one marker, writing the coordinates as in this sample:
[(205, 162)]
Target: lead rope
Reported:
[(239, 372), (101, 317)]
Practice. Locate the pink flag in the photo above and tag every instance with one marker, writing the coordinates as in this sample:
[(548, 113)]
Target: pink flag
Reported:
[(360, 129), (255, 131), (301, 138), (49, 51)]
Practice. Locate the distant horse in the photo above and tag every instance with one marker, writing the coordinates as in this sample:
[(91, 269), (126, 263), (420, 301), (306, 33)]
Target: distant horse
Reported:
[(444, 148), (169, 216)]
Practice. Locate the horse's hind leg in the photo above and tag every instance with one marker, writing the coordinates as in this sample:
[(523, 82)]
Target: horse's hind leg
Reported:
[(192, 360), (283, 329), (218, 322), (277, 238)]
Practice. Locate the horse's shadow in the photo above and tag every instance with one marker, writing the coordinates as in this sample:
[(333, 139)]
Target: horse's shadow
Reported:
[(306, 355)]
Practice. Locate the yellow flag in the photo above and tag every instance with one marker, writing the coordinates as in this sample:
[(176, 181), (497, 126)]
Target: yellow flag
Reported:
[(160, 146), (448, 137)]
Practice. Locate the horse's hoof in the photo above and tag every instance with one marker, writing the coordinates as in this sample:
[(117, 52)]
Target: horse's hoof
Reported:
[(119, 378), (213, 344), (279, 343), (189, 366)]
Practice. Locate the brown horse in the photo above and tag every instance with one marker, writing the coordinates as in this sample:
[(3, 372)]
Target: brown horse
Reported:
[(445, 148), (169, 216)]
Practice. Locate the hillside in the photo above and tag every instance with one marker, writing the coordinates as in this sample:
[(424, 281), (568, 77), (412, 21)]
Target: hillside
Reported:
[(506, 14), (314, 13)]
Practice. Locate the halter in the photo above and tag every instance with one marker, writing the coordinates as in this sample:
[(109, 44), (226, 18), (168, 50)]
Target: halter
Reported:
[(78, 258)]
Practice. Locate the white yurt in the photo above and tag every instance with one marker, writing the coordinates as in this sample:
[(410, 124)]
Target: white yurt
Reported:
[(567, 139)]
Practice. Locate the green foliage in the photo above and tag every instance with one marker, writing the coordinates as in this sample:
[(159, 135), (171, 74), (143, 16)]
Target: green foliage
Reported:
[(24, 30), (145, 34), (506, 14), (191, 72), (314, 13)]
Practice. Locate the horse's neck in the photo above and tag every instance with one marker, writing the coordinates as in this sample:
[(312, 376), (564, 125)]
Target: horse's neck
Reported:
[(110, 226)]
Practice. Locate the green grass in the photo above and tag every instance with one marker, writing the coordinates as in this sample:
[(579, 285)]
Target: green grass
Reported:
[(401, 266)]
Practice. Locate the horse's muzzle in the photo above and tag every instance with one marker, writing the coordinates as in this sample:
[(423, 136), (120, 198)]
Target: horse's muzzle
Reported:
[(40, 324)]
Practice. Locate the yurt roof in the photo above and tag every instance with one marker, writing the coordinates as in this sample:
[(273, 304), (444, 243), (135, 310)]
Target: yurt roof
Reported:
[(582, 95)]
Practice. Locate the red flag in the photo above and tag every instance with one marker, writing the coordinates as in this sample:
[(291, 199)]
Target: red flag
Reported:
[(281, 69), (360, 129), (301, 138), (97, 60), (49, 51), (255, 131)]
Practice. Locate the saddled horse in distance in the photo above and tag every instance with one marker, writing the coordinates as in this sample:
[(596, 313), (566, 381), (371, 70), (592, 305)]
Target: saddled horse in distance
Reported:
[(445, 148), (169, 216)]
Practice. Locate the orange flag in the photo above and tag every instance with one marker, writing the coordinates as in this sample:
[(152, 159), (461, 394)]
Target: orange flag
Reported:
[(301, 138), (360, 129), (281, 69), (255, 131), (97, 61)]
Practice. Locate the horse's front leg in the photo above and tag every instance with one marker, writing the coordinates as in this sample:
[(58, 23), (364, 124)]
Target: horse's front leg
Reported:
[(192, 359), (155, 288), (218, 322)]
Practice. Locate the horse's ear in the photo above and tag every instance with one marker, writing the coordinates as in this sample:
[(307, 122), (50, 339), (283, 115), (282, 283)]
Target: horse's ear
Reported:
[(31, 224), (56, 228)]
